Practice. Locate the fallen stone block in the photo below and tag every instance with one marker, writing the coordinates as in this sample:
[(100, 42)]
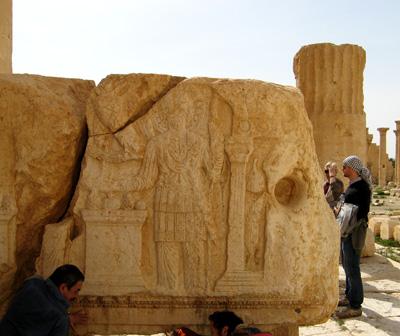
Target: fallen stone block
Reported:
[(374, 223), (369, 247), (387, 228), (396, 233)]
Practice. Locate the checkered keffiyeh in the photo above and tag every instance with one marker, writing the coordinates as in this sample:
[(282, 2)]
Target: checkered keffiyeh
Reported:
[(355, 163)]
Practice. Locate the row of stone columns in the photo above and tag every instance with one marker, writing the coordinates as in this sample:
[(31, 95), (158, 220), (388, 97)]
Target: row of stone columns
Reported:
[(397, 160), (382, 155)]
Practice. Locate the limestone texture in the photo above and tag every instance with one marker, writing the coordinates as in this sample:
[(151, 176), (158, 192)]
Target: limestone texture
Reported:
[(369, 247), (176, 197), (6, 36), (197, 195), (331, 79), (387, 228), (42, 139)]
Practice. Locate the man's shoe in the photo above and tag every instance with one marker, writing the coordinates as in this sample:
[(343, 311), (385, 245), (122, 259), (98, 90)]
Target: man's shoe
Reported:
[(349, 312), (343, 302)]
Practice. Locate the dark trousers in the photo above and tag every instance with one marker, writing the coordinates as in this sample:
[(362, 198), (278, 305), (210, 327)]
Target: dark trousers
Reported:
[(351, 265)]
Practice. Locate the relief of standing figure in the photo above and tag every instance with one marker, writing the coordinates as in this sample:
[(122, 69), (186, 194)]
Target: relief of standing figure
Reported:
[(178, 163)]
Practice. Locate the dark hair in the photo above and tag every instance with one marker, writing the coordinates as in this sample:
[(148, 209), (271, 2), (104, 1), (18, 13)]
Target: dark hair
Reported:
[(68, 274), (222, 319)]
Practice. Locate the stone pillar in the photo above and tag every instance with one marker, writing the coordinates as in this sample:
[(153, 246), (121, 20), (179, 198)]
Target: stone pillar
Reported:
[(397, 158), (382, 156), (239, 150), (5, 36), (331, 80)]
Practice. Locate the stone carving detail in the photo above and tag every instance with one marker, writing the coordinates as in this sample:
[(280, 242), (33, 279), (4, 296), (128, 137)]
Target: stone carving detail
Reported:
[(180, 165), (7, 211), (201, 188)]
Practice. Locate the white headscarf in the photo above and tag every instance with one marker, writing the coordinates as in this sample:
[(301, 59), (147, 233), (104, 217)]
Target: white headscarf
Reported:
[(355, 163)]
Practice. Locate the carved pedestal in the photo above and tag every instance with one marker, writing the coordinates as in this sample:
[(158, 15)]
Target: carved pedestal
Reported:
[(113, 251)]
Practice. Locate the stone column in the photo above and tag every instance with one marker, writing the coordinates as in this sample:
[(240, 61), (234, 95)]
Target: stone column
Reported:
[(331, 80), (382, 156), (5, 36), (397, 158), (239, 150)]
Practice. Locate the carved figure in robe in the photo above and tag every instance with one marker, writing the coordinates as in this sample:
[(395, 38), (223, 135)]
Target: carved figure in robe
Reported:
[(177, 162)]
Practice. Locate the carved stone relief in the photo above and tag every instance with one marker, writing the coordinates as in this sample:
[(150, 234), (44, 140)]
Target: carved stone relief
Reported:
[(212, 190)]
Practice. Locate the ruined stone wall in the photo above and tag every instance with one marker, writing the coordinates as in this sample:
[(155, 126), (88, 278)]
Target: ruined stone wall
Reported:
[(331, 80), (373, 162), (42, 138), (5, 36)]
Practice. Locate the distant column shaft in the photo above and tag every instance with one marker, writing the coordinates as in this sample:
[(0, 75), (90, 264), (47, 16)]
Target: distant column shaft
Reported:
[(382, 156), (5, 36)]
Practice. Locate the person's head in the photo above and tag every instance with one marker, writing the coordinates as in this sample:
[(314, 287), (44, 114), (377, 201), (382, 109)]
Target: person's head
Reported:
[(223, 323), (69, 280), (352, 167), (331, 165)]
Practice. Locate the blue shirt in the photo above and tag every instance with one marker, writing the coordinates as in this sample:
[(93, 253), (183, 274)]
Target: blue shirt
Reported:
[(38, 309)]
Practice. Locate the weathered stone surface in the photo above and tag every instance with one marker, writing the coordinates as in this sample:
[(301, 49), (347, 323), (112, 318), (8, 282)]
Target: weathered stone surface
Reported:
[(331, 78), (203, 197), (373, 161), (394, 191), (374, 223), (5, 36), (121, 99), (42, 136), (369, 247), (387, 228), (396, 233)]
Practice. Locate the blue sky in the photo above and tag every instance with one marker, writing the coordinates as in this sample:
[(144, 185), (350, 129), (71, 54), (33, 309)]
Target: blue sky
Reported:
[(256, 39)]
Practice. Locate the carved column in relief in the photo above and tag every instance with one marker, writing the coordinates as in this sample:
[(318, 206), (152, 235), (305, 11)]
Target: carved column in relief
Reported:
[(331, 80), (6, 214), (397, 158), (239, 148), (382, 156)]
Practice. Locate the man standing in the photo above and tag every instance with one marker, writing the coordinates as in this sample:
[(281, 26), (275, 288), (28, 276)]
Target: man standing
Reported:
[(40, 307), (358, 193)]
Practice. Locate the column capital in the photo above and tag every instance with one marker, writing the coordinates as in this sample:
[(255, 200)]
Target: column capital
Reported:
[(383, 130), (397, 124)]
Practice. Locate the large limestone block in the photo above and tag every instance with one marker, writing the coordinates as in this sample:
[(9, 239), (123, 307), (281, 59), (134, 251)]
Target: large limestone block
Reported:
[(374, 223), (42, 136), (396, 233), (206, 198), (369, 247), (387, 228)]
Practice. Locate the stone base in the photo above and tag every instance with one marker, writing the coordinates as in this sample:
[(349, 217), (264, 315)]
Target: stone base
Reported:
[(146, 315)]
